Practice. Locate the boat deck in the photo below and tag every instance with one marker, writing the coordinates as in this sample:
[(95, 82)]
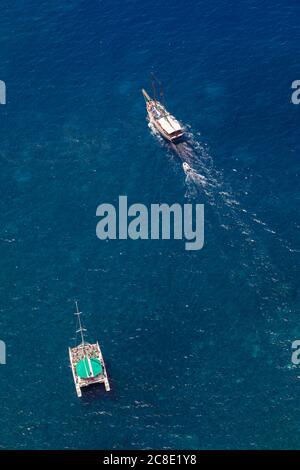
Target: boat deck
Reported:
[(88, 366), (166, 124)]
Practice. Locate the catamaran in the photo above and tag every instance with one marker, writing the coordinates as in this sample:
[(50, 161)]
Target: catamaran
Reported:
[(87, 362), (166, 124)]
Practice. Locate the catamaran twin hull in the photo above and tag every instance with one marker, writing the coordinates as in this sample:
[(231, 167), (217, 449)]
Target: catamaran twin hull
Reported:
[(162, 120), (88, 366)]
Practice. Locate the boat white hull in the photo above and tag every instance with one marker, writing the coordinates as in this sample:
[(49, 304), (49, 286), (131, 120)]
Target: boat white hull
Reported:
[(82, 383), (166, 124), (186, 168)]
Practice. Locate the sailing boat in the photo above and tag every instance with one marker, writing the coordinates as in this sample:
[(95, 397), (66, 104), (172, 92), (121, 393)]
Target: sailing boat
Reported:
[(87, 362), (163, 121)]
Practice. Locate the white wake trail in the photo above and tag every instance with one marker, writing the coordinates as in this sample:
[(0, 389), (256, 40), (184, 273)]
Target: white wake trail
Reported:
[(206, 179)]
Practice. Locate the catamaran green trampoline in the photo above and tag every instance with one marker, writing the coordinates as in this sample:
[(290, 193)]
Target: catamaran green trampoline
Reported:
[(88, 367)]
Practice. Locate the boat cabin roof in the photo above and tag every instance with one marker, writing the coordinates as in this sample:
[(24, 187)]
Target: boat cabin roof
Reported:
[(169, 124)]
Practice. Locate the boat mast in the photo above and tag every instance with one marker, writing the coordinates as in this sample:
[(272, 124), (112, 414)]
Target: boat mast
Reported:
[(80, 329), (161, 94), (153, 86), (158, 83)]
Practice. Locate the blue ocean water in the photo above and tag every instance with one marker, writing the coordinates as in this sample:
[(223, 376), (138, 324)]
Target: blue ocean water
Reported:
[(197, 344)]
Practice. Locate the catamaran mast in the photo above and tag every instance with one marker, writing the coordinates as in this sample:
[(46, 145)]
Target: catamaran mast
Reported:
[(80, 329)]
